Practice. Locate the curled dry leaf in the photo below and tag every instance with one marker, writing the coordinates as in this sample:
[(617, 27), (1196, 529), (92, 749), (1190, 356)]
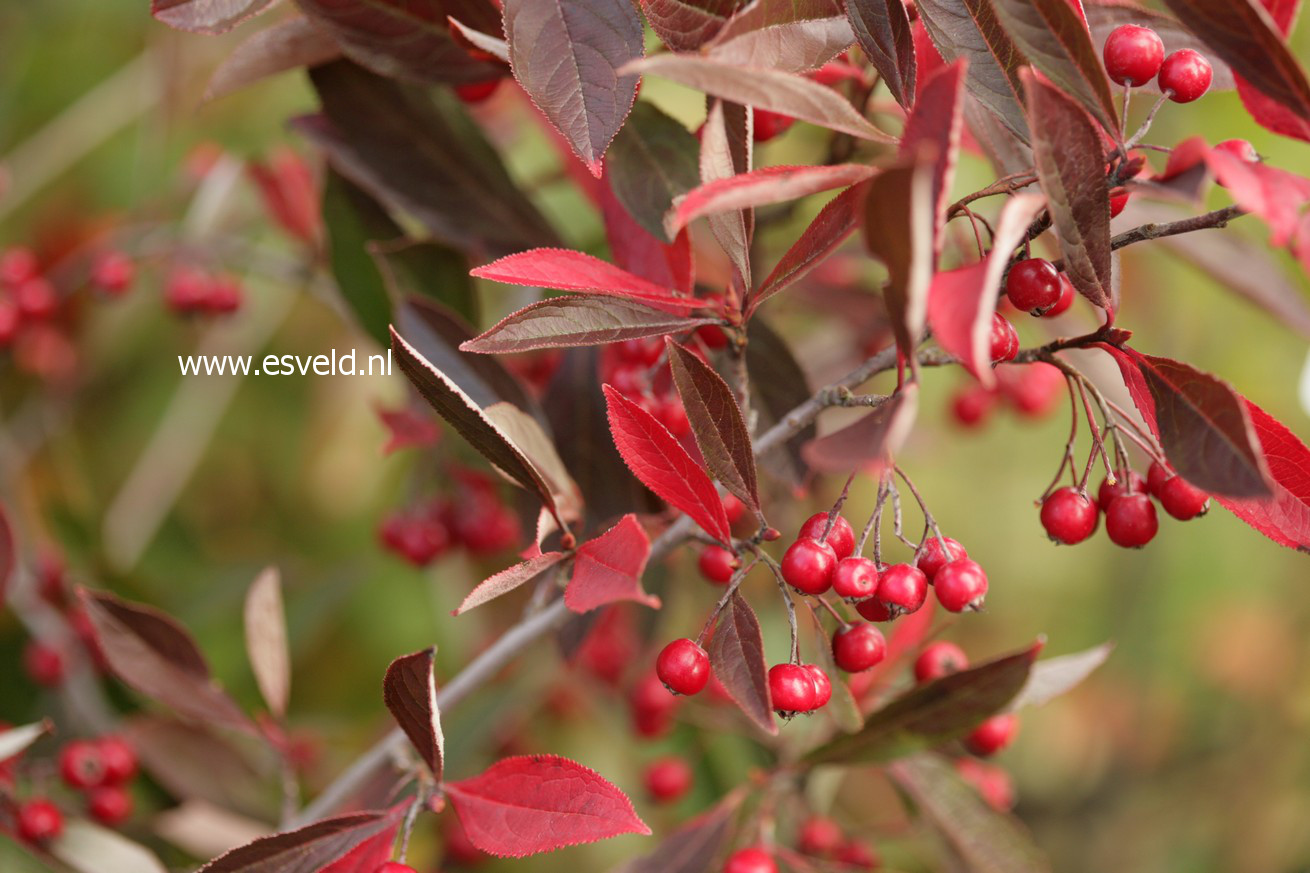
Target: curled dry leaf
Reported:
[(266, 640), (409, 690)]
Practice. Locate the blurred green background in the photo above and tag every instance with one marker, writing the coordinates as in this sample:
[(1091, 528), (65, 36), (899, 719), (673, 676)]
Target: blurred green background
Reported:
[(1187, 752)]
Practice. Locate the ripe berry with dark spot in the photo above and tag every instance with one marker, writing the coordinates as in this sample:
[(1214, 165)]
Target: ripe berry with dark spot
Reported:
[(1066, 297), (808, 566), (39, 821), (683, 667), (668, 779), (81, 765), (1130, 521), (855, 578), (933, 555), (1068, 515), (939, 659), (992, 735), (1108, 492), (717, 564), (791, 688), (1156, 476), (858, 647), (903, 588), (819, 836), (1133, 54), (841, 537), (961, 585), (110, 805), (874, 609), (752, 860), (822, 685), (1185, 75), (1183, 500), (1004, 341), (1033, 285)]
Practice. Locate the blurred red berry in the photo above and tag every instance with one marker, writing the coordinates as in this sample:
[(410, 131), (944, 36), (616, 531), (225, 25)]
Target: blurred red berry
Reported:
[(110, 805), (668, 779), (43, 663), (39, 821), (939, 659)]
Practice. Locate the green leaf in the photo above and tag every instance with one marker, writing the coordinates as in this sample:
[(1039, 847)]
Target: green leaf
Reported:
[(354, 219)]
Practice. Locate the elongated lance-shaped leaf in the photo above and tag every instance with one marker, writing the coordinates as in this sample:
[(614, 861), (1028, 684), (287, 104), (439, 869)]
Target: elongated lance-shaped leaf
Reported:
[(653, 160), (726, 151), (762, 188), (409, 690), (830, 228), (934, 126), (564, 322), (737, 657), (898, 230), (882, 27)]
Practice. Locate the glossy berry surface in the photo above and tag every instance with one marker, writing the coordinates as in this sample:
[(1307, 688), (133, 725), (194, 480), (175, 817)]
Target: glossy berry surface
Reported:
[(992, 735), (717, 564), (841, 537), (1065, 299), (939, 659), (1130, 521), (822, 685), (39, 821), (961, 585), (1183, 500), (820, 837), (1133, 54), (855, 578), (1068, 515), (1033, 285), (808, 566), (683, 667), (903, 588), (858, 647), (118, 758), (874, 609), (1186, 74), (752, 860), (110, 805), (81, 765), (1107, 492), (1156, 476), (934, 555), (668, 779), (1004, 341), (792, 688)]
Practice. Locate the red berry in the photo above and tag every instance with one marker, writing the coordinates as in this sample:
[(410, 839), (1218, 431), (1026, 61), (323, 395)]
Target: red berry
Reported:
[(933, 555), (683, 667), (39, 821), (858, 855), (639, 351), (992, 735), (668, 779), (791, 688), (81, 765), (769, 124), (992, 782), (1035, 389), (673, 415), (1182, 499), (119, 759), (1130, 521), (939, 659), (44, 664), (972, 404), (1033, 285), (961, 585), (902, 588), (18, 265), (1068, 515), (841, 537), (1108, 492), (1118, 201), (733, 508), (874, 609), (855, 578), (822, 685), (36, 299), (476, 92), (113, 272), (1240, 149), (224, 296), (752, 860), (808, 566), (1066, 294), (652, 706), (10, 320), (1133, 54), (1186, 75), (820, 836), (110, 805), (1005, 340), (717, 564), (1156, 476), (858, 647), (186, 290)]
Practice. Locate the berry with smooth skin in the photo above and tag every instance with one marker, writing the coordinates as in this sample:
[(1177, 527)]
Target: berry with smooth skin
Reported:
[(39, 821), (1133, 54), (855, 578), (717, 564), (822, 685), (684, 667), (820, 837), (961, 585), (1183, 500), (971, 405), (1065, 300), (903, 588), (110, 805), (81, 765), (841, 537), (857, 855), (874, 609), (733, 508), (652, 706), (752, 860), (992, 735), (1130, 521), (933, 555), (791, 687), (808, 566), (668, 779), (1108, 492), (1185, 75), (118, 758), (44, 664), (1068, 515), (1156, 476), (858, 648), (113, 272), (769, 125), (1033, 285), (939, 659), (18, 265), (1004, 341)]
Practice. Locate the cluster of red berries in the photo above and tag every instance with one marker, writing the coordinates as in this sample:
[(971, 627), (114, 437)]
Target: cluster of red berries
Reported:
[(1070, 515), (46, 662), (100, 770), (1134, 55), (820, 838), (822, 558), (630, 367), (475, 518), (1031, 390), (189, 290), (941, 659)]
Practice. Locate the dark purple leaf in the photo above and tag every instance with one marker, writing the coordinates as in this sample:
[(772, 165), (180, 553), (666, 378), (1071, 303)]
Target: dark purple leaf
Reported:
[(761, 188), (567, 57), (409, 690), (206, 16), (780, 386), (1267, 112), (883, 30), (653, 160), (898, 215), (686, 25), (192, 761), (288, 45), (608, 569), (308, 849), (562, 322), (694, 846), (795, 46), (830, 228), (1071, 165), (758, 14), (934, 124), (875, 438), (496, 46), (737, 658)]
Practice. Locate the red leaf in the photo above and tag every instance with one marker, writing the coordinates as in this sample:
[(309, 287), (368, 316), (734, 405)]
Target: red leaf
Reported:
[(531, 804), (961, 302), (830, 228), (206, 16), (1275, 195), (1071, 164), (717, 424), (636, 250), (1284, 517), (737, 657), (509, 579), (898, 215), (609, 568), (872, 439), (567, 57), (154, 654), (564, 322), (935, 123), (409, 690), (575, 271), (1266, 111), (660, 462), (882, 28), (407, 429), (287, 45), (685, 26), (760, 188), (1203, 424), (311, 848), (793, 46), (368, 856)]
